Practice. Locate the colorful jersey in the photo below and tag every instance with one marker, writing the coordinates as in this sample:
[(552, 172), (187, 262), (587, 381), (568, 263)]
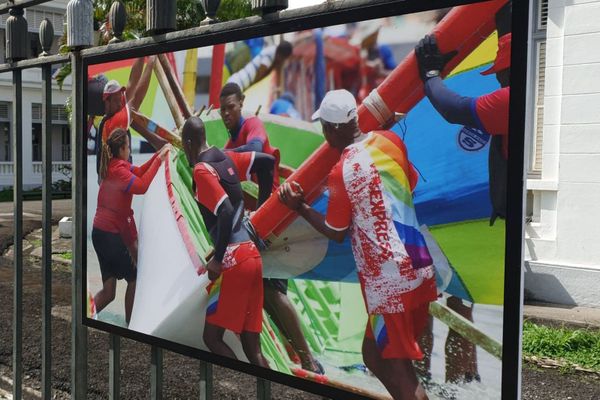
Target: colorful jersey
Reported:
[(491, 111), (251, 129), (371, 193), (123, 180)]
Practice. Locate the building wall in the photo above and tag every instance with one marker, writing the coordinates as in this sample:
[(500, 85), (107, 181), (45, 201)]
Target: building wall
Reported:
[(562, 248), (55, 11)]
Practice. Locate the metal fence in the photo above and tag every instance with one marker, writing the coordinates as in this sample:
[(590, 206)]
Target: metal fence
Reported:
[(79, 333)]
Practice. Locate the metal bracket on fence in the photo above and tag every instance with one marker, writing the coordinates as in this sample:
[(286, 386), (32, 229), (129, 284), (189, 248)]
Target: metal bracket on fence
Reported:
[(263, 389), (206, 381), (18, 235), (156, 373), (114, 367), (47, 232), (79, 338)]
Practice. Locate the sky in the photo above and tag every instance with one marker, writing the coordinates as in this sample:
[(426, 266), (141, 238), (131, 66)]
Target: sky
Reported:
[(303, 3)]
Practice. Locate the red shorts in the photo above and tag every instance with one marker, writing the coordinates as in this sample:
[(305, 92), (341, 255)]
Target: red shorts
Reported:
[(235, 299), (396, 335)]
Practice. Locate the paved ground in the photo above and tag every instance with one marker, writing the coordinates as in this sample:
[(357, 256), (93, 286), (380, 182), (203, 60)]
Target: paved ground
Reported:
[(181, 373), (558, 314)]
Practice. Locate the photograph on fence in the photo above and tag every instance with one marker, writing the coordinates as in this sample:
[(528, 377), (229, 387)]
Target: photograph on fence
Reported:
[(328, 203)]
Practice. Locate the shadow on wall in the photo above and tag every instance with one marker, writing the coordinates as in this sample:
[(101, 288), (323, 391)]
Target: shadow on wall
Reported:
[(545, 288)]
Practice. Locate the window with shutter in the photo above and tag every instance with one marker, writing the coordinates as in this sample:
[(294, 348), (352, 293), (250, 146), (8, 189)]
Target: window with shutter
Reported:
[(36, 112), (539, 107), (538, 81)]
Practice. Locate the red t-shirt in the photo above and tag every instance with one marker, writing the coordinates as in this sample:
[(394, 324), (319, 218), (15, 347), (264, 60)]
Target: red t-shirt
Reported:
[(253, 129), (243, 163), (209, 191), (211, 195), (119, 120), (123, 180), (492, 111)]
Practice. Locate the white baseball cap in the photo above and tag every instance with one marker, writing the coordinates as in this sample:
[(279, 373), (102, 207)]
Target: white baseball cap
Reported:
[(337, 107), (111, 87)]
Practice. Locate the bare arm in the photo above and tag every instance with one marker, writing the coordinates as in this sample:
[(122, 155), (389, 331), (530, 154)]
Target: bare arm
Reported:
[(136, 98), (294, 199), (155, 141), (134, 77)]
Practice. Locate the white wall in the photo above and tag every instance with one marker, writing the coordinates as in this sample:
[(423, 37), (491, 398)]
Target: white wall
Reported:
[(31, 94), (563, 249)]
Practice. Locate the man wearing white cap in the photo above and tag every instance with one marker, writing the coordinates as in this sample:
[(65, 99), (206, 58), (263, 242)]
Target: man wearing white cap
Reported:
[(119, 100), (370, 197)]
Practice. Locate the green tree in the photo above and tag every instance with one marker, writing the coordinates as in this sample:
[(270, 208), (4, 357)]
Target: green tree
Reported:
[(189, 15)]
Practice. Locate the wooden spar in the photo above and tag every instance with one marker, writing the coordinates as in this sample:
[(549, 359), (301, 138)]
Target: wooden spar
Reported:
[(466, 329), (184, 107), (141, 122), (190, 75), (463, 29), (467, 25), (169, 95), (324, 379)]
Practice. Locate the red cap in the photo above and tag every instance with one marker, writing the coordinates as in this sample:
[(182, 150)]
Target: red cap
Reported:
[(502, 61)]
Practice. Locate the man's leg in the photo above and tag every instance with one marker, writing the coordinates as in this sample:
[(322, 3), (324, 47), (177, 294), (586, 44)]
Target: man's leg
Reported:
[(461, 354), (129, 296), (423, 367), (285, 316), (397, 375), (213, 338), (251, 346), (106, 294)]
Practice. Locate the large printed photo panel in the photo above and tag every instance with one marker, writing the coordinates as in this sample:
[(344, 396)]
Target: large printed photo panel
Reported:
[(329, 207)]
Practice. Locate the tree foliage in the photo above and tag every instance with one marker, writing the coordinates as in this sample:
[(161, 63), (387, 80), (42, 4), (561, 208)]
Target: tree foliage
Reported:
[(189, 15)]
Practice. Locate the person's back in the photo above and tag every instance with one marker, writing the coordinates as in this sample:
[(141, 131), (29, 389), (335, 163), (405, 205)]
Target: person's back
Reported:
[(390, 252), (215, 162)]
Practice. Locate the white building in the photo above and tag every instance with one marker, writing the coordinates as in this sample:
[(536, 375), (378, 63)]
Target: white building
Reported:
[(32, 99), (562, 246)]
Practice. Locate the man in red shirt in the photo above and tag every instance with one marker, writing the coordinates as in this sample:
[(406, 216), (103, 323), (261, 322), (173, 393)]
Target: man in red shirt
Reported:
[(489, 114), (249, 134), (235, 294), (119, 100), (245, 134), (370, 198)]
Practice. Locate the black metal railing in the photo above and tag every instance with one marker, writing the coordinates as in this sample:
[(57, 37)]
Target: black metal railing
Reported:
[(79, 335)]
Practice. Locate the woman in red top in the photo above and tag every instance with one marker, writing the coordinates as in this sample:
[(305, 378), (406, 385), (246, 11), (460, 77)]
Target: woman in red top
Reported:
[(114, 234)]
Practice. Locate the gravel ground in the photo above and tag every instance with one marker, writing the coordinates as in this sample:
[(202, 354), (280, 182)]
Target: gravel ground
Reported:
[(181, 374)]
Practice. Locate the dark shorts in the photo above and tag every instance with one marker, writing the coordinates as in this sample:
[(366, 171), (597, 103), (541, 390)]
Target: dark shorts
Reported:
[(113, 256), (281, 285)]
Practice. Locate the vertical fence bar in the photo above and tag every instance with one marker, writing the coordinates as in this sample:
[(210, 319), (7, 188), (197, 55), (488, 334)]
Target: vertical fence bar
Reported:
[(206, 381), (17, 147), (263, 389), (114, 367), (156, 373), (78, 330), (47, 231)]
